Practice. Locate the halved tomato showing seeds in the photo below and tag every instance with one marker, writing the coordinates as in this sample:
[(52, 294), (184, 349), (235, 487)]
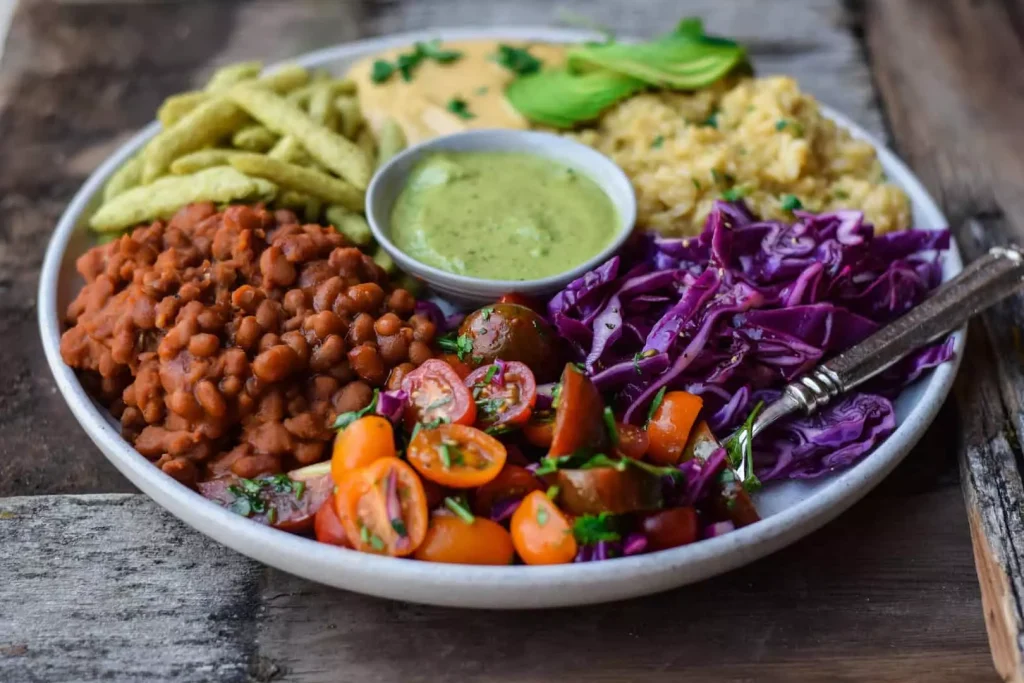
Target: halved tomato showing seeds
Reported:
[(504, 393), (456, 455), (383, 508), (437, 394)]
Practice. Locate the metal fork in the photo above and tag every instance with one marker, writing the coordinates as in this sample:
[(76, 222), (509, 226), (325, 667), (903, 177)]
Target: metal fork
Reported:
[(983, 283)]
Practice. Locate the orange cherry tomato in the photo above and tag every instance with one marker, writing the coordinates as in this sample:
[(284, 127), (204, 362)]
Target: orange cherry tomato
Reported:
[(669, 428), (365, 440), (460, 367), (541, 533), (522, 300), (436, 392), (633, 441), (512, 482), (579, 417), (456, 455), (670, 528), (383, 508), (450, 539), (540, 429), (509, 403), (328, 527)]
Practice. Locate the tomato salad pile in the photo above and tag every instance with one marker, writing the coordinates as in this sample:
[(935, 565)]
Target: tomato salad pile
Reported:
[(478, 457)]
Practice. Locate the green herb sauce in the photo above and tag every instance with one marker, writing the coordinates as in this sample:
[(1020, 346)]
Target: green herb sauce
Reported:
[(501, 215)]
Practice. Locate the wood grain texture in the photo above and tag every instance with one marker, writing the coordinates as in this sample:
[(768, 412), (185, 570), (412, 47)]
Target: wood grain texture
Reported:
[(114, 588), (956, 110)]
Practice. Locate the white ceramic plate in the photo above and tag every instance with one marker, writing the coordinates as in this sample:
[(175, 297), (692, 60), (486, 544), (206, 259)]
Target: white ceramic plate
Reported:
[(791, 509)]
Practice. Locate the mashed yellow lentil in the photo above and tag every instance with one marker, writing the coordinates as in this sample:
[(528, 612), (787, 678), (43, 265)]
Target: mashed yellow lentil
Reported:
[(761, 139)]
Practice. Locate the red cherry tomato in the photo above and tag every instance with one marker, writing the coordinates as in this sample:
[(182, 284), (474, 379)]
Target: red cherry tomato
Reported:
[(328, 527), (522, 300), (540, 429), (461, 367), (632, 442), (579, 417), (512, 482), (436, 392), (508, 403), (275, 500), (670, 528)]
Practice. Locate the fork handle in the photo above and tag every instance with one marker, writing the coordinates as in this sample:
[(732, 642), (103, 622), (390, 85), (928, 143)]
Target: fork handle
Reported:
[(981, 284)]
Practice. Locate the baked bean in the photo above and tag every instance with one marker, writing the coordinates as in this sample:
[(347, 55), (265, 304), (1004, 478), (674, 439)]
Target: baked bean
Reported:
[(294, 301), (387, 325), (326, 294), (252, 466), (346, 260), (325, 323), (182, 470), (248, 332), (401, 302), (285, 216), (366, 297), (241, 218), (309, 452), (275, 363), (423, 329), (324, 386), (419, 353), (235, 362), (394, 349), (275, 268), (183, 403), (203, 345), (267, 315), (342, 371), (210, 399), (367, 363), (398, 373), (231, 385), (353, 396), (298, 344), (247, 298), (327, 354), (267, 341), (361, 329)]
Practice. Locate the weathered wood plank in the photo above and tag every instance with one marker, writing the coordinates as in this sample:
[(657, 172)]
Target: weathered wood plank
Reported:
[(955, 111), (113, 587)]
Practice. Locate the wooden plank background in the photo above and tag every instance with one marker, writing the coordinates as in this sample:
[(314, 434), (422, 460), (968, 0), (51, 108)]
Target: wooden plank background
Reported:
[(111, 587)]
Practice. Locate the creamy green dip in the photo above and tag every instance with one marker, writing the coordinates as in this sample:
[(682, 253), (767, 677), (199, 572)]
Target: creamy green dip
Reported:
[(501, 215)]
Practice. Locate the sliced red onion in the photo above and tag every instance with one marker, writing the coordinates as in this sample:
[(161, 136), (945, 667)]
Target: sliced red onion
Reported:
[(718, 528), (504, 509), (391, 404), (394, 507), (453, 321), (533, 467), (634, 544), (499, 376), (583, 554), (544, 395)]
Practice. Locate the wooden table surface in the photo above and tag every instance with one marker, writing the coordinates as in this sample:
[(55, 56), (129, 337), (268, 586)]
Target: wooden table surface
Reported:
[(97, 582)]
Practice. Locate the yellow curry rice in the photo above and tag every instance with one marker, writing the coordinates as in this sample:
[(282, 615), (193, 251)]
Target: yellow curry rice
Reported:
[(761, 139)]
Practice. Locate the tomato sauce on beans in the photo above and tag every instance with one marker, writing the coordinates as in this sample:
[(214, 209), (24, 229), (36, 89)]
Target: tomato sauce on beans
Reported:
[(227, 342)]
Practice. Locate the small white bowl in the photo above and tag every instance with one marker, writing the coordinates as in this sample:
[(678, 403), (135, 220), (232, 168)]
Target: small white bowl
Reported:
[(389, 181)]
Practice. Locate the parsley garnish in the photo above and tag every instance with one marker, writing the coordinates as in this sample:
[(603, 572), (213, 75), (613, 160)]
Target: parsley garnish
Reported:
[(542, 516), (791, 203), (780, 124), (381, 71), (345, 419), (364, 533), (711, 121), (407, 62), (461, 346), (658, 142), (739, 455), (488, 376), (444, 452), (459, 508), (300, 488), (584, 459), (609, 423), (732, 194), (485, 313), (399, 526), (794, 126), (716, 176), (696, 183), (459, 107), (432, 49), (517, 59), (656, 403), (249, 494), (590, 529), (553, 492), (376, 542)]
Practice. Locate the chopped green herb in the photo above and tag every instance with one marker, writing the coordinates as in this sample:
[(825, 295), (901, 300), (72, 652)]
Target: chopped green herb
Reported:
[(445, 454), (406, 63), (437, 403), (364, 533), (711, 121), (780, 124), (609, 423), (399, 526), (272, 515), (658, 142), (791, 203), (553, 492), (636, 362), (743, 454), (590, 529), (459, 107), (795, 127), (345, 419), (376, 542), (485, 313), (489, 375), (381, 71), (517, 59), (460, 510), (461, 345), (300, 488), (432, 49), (716, 176), (542, 516), (585, 459), (696, 183), (733, 194), (656, 403)]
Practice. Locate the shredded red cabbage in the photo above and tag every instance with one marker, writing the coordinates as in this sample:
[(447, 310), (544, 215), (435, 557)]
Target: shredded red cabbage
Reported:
[(746, 307)]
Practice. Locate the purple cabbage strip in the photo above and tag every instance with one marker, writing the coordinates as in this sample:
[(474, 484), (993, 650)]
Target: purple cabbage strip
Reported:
[(391, 404)]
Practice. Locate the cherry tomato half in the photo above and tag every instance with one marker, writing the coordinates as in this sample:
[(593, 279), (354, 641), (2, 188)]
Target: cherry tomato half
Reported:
[(436, 392), (541, 533), (456, 455), (359, 444), (275, 500), (632, 441), (328, 527), (579, 417), (512, 482), (522, 300), (734, 503), (508, 403), (461, 367), (670, 426), (383, 508), (670, 528), (607, 489), (450, 539), (540, 429)]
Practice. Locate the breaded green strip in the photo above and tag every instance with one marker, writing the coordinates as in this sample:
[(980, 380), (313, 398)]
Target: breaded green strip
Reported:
[(300, 178), (390, 141), (314, 207), (254, 138), (351, 115), (177, 106), (285, 79), (290, 199), (384, 260), (350, 224), (332, 150), (232, 74), (201, 127), (124, 178), (288, 149), (204, 158), (165, 196), (340, 86), (366, 142), (321, 107)]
